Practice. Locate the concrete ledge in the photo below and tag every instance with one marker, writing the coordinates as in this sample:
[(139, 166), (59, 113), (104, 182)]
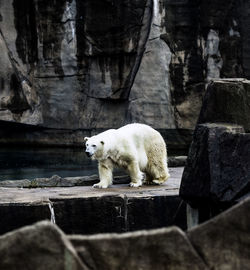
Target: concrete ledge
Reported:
[(83, 209)]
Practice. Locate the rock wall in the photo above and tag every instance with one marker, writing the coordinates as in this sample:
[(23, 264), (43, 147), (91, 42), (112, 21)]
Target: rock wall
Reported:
[(82, 65), (217, 168)]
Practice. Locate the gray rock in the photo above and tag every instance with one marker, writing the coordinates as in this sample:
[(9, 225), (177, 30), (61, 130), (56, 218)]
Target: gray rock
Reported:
[(41, 246), (15, 183), (57, 181), (223, 242), (177, 161), (166, 248), (154, 104), (228, 101), (218, 167), (54, 181)]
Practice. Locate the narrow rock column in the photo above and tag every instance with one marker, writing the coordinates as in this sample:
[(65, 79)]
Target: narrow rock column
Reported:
[(217, 173)]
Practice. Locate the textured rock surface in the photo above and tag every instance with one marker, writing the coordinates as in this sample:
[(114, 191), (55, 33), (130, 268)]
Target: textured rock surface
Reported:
[(156, 249), (76, 66), (218, 167), (121, 213), (36, 135), (71, 61), (227, 101), (41, 246), (204, 38), (223, 242), (83, 209), (17, 215), (56, 181)]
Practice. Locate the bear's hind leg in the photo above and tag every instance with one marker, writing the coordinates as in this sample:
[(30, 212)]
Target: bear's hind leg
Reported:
[(135, 174), (160, 178), (159, 174)]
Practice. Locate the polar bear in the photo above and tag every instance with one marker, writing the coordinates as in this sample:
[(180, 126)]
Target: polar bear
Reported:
[(137, 148)]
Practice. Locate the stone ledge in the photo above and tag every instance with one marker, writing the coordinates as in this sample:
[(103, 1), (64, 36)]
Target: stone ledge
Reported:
[(57, 181), (83, 209)]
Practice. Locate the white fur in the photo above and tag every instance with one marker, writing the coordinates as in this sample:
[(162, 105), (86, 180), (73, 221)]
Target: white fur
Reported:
[(137, 148)]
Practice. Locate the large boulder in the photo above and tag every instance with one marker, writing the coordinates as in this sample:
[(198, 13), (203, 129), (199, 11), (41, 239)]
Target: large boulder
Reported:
[(218, 165), (160, 249), (223, 242), (41, 246), (227, 100)]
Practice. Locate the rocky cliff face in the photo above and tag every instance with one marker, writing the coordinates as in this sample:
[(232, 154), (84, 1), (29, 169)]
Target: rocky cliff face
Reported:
[(77, 65)]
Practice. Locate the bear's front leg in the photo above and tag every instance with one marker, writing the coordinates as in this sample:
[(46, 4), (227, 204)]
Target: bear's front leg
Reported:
[(135, 174), (105, 169)]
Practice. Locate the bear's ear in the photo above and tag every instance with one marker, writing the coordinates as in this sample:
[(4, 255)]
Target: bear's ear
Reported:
[(85, 139), (102, 142)]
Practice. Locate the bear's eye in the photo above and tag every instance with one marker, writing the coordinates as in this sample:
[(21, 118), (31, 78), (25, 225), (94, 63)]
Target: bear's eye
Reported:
[(93, 145)]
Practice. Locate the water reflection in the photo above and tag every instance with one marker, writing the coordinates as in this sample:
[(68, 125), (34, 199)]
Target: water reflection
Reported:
[(30, 163)]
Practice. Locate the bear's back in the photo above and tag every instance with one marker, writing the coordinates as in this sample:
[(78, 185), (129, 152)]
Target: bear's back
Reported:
[(136, 128), (138, 133)]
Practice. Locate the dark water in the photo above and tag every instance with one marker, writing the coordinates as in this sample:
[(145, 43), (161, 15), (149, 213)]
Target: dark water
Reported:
[(29, 163)]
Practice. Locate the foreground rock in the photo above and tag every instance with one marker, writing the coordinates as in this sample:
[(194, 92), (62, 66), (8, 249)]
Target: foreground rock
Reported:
[(223, 242), (156, 249), (41, 246), (218, 165)]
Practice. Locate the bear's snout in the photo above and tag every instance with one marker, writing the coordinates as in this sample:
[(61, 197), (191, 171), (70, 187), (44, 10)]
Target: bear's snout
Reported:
[(88, 154)]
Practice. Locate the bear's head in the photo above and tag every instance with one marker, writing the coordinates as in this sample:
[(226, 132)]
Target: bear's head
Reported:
[(94, 147)]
